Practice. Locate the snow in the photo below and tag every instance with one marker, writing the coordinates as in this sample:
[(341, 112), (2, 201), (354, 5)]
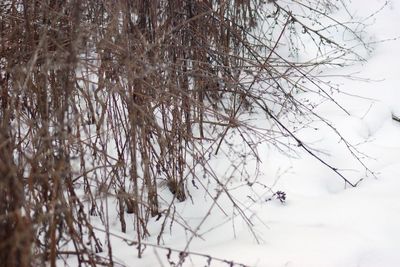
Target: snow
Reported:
[(322, 222)]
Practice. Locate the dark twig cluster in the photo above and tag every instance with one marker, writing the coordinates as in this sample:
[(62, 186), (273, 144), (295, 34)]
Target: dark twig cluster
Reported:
[(116, 99)]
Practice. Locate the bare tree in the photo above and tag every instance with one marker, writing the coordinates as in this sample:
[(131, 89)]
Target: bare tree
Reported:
[(117, 98)]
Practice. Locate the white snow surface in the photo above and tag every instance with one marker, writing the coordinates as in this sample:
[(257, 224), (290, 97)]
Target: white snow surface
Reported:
[(322, 222)]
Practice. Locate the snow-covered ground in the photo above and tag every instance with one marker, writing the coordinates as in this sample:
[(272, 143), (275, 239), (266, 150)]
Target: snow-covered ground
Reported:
[(321, 223)]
